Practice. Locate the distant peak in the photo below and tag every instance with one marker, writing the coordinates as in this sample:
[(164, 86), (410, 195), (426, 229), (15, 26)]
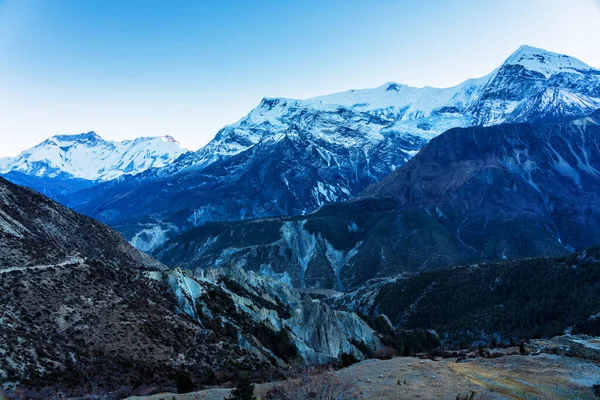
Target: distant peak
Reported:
[(169, 138), (526, 52), (89, 136), (526, 49), (544, 61), (393, 87)]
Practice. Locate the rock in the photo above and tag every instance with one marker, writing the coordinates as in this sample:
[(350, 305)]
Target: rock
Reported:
[(580, 346)]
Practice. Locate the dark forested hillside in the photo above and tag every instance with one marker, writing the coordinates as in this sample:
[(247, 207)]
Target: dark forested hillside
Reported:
[(522, 299)]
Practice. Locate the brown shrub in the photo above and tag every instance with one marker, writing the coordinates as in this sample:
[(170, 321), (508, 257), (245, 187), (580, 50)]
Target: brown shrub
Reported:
[(313, 384), (385, 353)]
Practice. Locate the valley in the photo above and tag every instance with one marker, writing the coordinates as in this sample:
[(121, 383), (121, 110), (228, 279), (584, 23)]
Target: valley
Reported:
[(393, 242)]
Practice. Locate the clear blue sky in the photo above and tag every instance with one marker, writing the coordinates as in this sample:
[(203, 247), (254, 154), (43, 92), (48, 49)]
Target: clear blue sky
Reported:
[(128, 68)]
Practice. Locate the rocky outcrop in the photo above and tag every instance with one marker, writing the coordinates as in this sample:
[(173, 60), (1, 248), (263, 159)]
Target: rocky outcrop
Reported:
[(582, 346), (270, 319)]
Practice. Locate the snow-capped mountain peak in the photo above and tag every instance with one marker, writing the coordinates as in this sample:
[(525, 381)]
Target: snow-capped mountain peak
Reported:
[(531, 84), (88, 156), (82, 137), (545, 62), (169, 138), (408, 101)]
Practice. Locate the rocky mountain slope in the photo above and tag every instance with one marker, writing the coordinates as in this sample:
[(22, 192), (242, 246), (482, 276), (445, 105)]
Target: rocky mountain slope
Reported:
[(86, 326), (84, 313), (35, 230), (289, 157), (324, 155), (506, 191), (500, 185), (73, 160)]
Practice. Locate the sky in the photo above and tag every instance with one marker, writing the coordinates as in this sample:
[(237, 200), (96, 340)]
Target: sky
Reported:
[(130, 68)]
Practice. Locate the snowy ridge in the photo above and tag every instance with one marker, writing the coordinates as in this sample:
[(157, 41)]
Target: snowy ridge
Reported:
[(425, 111), (88, 156), (277, 118), (400, 111), (528, 79)]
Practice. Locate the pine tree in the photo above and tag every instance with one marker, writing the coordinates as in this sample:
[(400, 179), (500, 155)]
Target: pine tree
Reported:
[(244, 389)]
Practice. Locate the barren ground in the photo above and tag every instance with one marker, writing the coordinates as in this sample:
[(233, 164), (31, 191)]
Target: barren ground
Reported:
[(510, 377)]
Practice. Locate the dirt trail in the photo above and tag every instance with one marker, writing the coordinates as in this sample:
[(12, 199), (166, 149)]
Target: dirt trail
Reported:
[(509, 377), (75, 260)]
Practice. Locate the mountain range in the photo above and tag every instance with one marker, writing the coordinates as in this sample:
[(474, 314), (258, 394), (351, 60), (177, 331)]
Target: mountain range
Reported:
[(290, 157), (504, 191), (63, 164)]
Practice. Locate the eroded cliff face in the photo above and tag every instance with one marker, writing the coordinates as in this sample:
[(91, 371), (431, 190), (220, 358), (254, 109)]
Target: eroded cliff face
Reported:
[(294, 250), (268, 318)]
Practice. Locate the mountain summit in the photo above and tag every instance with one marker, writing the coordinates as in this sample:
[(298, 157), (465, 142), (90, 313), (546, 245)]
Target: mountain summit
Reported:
[(88, 156), (546, 62)]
